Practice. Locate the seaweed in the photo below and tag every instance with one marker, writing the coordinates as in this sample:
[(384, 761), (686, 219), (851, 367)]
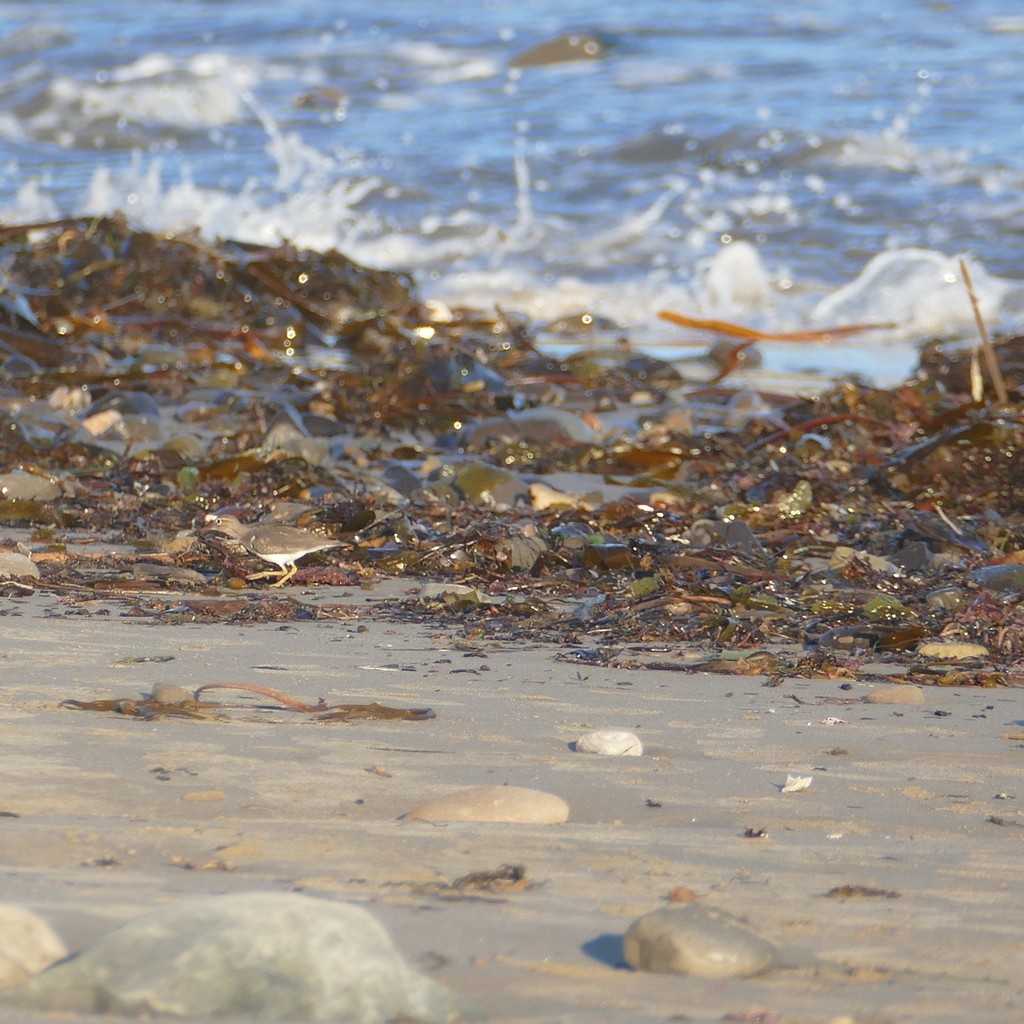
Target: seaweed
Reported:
[(598, 498)]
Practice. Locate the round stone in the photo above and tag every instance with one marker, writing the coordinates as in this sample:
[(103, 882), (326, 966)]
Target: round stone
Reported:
[(27, 944), (14, 565), (613, 742), (896, 695), (494, 803), (247, 956), (687, 938)]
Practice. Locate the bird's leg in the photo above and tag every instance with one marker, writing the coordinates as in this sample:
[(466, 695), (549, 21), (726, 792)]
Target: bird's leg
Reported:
[(288, 574)]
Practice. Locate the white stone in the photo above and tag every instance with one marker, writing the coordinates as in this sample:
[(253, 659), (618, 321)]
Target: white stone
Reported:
[(613, 742), (256, 956), (27, 944), (16, 565)]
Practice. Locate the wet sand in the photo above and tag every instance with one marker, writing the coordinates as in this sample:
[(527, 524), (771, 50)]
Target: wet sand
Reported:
[(117, 815)]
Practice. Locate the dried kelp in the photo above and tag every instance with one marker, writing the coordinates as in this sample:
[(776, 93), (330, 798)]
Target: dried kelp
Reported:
[(152, 706)]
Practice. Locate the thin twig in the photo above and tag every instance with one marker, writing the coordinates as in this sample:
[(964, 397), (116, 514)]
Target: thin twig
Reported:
[(986, 342)]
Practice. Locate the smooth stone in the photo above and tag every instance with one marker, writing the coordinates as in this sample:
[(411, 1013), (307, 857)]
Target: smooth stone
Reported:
[(946, 599), (21, 486), (15, 565), (128, 403), (1000, 579), (171, 693), (613, 742), (28, 944), (257, 955), (896, 695), (494, 803), (559, 51), (687, 938), (951, 650)]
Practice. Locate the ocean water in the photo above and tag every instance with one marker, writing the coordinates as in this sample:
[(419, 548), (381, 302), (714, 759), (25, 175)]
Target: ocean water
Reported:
[(783, 164)]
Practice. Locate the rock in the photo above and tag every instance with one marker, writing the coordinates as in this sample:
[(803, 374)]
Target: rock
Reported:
[(15, 565), (170, 693), (946, 599), (28, 944), (687, 938), (273, 956), (614, 742), (494, 803), (896, 695), (951, 650), (559, 51), (544, 497), (19, 485), (1005, 580)]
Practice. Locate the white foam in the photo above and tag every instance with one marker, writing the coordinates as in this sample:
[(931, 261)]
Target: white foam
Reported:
[(734, 280), (31, 205), (445, 64), (206, 91), (650, 256), (920, 291)]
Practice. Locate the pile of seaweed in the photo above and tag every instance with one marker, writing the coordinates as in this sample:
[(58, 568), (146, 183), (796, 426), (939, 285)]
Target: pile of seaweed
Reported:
[(580, 492)]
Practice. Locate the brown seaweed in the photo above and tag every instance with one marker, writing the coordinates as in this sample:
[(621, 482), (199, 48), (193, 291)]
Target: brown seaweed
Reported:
[(151, 707), (147, 380)]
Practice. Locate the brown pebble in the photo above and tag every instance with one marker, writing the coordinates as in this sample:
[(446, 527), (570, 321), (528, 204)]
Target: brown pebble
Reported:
[(896, 695), (681, 894)]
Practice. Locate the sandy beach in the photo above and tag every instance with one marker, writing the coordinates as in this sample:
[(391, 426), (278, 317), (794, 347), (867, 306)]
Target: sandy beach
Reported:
[(106, 817)]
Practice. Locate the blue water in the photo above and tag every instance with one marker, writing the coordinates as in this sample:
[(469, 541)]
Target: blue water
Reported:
[(818, 135)]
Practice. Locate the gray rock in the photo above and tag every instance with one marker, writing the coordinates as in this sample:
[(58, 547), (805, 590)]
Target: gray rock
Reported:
[(687, 938), (275, 956), (1005, 580), (27, 944), (15, 565)]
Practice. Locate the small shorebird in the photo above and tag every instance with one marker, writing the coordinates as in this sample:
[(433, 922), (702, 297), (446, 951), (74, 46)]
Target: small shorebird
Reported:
[(276, 543)]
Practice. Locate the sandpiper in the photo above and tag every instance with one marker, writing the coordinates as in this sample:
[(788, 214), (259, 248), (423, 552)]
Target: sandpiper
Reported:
[(276, 543)]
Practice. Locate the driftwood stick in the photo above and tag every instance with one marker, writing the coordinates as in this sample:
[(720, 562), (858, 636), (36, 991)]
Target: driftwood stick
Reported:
[(991, 362)]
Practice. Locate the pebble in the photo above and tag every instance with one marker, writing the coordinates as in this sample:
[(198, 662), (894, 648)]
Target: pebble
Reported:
[(1006, 580), (21, 486), (171, 693), (687, 938), (946, 599), (28, 944), (896, 695), (951, 650), (253, 956), (614, 742), (494, 803), (15, 565)]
